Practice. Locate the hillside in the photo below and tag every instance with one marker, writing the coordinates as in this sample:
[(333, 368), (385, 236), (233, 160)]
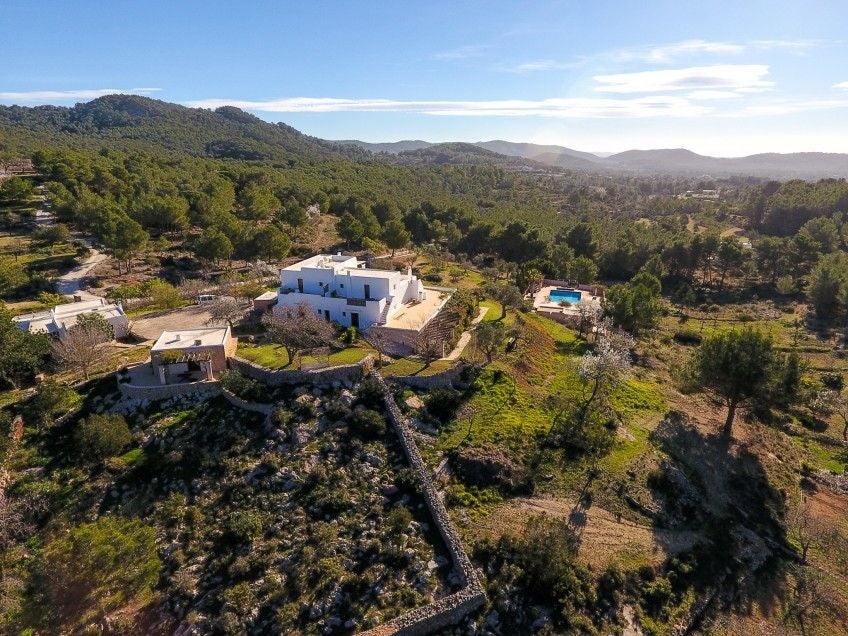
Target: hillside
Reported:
[(673, 161), (137, 122), (133, 121)]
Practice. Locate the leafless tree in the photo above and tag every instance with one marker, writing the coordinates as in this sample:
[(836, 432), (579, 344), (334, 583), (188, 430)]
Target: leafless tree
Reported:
[(298, 328), (225, 309), (808, 530), (80, 346), (380, 341), (191, 288), (831, 401), (429, 348)]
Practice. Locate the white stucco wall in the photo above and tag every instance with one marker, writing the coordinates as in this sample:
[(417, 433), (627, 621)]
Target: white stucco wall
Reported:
[(329, 288)]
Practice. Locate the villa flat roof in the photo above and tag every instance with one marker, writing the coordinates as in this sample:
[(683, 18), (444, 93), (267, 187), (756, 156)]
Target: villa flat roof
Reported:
[(66, 315), (188, 338), (326, 261)]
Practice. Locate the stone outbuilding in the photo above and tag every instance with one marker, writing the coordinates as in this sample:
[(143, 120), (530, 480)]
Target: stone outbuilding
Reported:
[(190, 355)]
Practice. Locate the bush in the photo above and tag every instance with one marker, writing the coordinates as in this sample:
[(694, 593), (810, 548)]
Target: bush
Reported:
[(688, 337), (242, 386), (243, 526), (832, 380), (101, 436), (368, 423), (399, 519), (349, 335), (370, 393), (442, 404), (433, 277)]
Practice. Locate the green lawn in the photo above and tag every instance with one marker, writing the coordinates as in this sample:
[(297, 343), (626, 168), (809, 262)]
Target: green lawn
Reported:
[(413, 366), (274, 356), (494, 308)]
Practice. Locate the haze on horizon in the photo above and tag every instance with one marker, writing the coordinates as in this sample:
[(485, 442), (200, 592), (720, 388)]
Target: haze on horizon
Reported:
[(720, 78)]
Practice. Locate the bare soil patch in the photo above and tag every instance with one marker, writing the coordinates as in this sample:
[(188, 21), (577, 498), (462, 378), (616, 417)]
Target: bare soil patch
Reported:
[(151, 326), (605, 537)]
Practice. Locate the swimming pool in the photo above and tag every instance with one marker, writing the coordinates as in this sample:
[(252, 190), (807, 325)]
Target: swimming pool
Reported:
[(564, 295)]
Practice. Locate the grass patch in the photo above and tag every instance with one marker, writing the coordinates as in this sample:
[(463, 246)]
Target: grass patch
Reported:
[(494, 309), (414, 366), (268, 355), (133, 457), (274, 356)]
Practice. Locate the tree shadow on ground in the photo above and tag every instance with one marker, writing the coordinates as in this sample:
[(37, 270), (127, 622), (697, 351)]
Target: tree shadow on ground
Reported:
[(741, 516)]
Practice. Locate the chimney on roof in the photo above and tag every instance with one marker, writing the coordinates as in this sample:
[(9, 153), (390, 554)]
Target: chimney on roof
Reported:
[(177, 338), (198, 342)]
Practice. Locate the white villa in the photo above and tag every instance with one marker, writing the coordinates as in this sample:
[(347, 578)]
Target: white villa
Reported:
[(342, 289), (60, 319)]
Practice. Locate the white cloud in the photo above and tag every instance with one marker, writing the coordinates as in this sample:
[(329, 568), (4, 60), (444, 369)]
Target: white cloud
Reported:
[(843, 85), (665, 53), (738, 77), (35, 97), (709, 95), (561, 108), (789, 107), (540, 65), (460, 53)]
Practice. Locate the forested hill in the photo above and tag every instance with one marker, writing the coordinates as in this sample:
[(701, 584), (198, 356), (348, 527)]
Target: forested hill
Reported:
[(133, 121)]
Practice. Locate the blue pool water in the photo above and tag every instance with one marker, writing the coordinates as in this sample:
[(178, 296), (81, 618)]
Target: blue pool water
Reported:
[(569, 295)]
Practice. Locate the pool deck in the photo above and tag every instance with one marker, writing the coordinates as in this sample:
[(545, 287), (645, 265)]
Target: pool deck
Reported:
[(542, 304)]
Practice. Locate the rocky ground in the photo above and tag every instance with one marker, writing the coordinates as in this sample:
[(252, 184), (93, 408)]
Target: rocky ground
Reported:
[(305, 522)]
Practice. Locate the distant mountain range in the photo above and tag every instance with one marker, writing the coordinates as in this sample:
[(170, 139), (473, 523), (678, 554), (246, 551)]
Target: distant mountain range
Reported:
[(132, 121), (675, 161)]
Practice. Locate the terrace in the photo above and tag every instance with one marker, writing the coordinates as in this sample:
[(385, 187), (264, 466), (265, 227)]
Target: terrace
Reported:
[(555, 300)]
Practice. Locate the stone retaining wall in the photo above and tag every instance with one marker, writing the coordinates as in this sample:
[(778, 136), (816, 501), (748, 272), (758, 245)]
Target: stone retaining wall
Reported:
[(164, 391), (328, 376), (450, 609), (447, 378), (232, 398)]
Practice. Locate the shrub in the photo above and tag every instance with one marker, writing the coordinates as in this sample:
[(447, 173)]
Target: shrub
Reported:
[(832, 380), (243, 526), (399, 519), (349, 335), (688, 337), (239, 598), (101, 436), (242, 386), (442, 404), (369, 423), (50, 399), (370, 393)]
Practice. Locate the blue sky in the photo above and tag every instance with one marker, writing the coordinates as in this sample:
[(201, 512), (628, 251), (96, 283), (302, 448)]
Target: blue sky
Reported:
[(721, 78)]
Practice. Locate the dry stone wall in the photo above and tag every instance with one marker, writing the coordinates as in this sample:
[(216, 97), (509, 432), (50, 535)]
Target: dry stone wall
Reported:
[(232, 398), (450, 609), (165, 391), (446, 378), (343, 374)]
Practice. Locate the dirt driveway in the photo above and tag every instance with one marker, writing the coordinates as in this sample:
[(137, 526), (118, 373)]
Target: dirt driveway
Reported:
[(150, 327)]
